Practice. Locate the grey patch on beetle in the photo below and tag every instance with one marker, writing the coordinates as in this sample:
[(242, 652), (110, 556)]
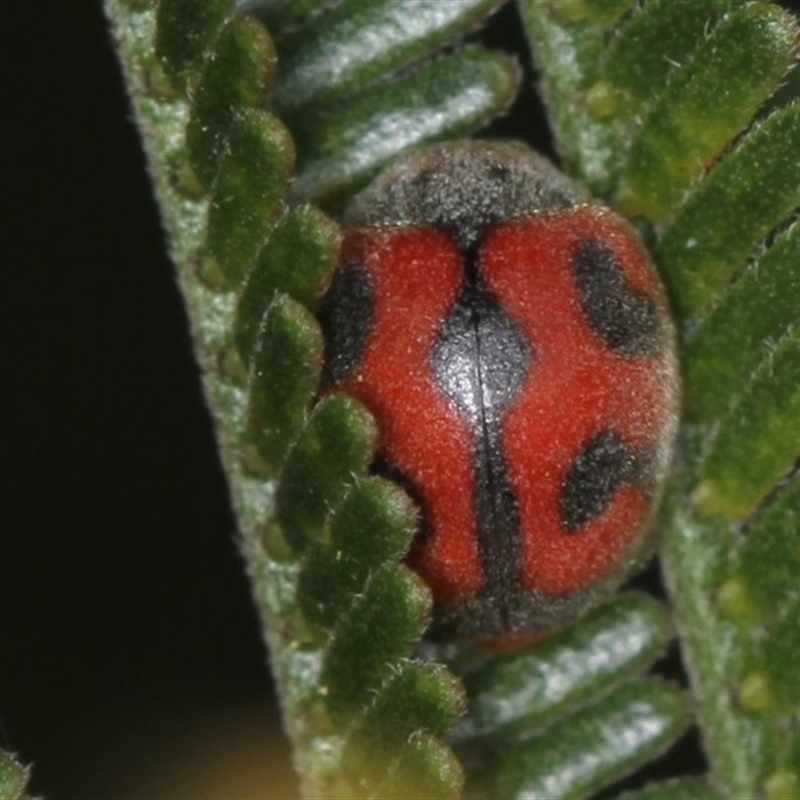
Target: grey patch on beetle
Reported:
[(480, 359), (463, 188)]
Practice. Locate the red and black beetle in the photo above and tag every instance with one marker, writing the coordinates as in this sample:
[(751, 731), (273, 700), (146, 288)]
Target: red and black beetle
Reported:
[(513, 342)]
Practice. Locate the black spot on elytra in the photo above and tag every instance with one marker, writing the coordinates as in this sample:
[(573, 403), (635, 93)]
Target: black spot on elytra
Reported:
[(345, 316), (604, 463), (625, 319)]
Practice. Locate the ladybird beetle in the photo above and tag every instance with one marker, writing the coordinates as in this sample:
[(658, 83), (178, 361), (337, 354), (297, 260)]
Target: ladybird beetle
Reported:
[(513, 342)]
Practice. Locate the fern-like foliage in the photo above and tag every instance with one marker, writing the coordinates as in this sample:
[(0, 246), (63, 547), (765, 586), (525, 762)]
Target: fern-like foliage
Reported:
[(664, 109), (251, 110), (323, 539), (13, 778)]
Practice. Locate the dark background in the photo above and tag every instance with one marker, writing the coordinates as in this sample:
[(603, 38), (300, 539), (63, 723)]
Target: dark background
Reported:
[(131, 663)]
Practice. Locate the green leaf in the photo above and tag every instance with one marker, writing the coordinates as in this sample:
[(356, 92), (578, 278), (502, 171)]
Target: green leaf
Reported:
[(284, 375), (738, 204), (449, 96), (13, 778), (184, 33), (252, 179), (748, 744), (336, 444), (380, 626), (679, 789), (767, 563), (425, 769), (704, 105), (601, 12), (418, 698), (779, 664), (525, 690), (596, 745), (356, 43), (298, 258), (373, 526), (738, 335), (569, 54), (237, 74), (769, 676), (762, 430), (282, 15), (645, 54)]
